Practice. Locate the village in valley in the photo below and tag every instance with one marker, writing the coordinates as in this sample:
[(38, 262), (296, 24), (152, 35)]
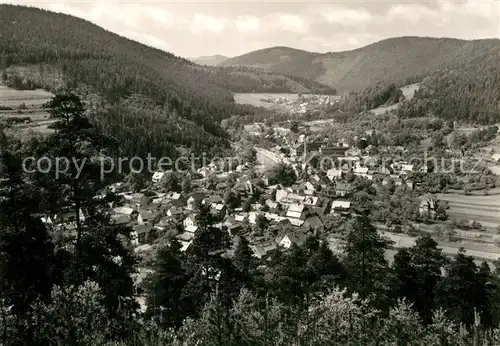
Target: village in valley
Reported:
[(287, 181), (315, 182)]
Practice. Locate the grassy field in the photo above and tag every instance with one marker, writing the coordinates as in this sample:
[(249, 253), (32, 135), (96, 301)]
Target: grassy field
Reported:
[(479, 208), (408, 92), (479, 252), (26, 103), (483, 209), (255, 99)]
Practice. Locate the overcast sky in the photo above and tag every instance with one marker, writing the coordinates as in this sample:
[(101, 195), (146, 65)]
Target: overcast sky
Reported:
[(192, 29)]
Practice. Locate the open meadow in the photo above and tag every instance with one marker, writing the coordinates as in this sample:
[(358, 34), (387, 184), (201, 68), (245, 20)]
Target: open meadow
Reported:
[(408, 92), (24, 104), (256, 99), (484, 209)]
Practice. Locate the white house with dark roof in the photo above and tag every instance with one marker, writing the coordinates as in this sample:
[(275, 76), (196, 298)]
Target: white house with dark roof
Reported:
[(143, 232), (139, 199), (175, 212), (297, 238)]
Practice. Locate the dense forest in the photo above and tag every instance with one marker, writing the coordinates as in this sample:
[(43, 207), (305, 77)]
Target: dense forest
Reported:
[(49, 50), (459, 79), (396, 60), (371, 98), (246, 79), (80, 290), (284, 60), (469, 93)]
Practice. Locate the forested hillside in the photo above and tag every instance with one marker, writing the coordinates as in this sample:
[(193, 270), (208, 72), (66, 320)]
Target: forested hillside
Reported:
[(282, 60), (48, 50), (470, 94), (116, 65), (396, 60), (245, 79)]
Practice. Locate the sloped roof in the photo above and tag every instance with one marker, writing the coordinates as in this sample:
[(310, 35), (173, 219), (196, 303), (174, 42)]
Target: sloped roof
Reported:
[(191, 228), (185, 245), (341, 204), (297, 208), (296, 222), (120, 219), (147, 215), (141, 229), (123, 210), (298, 237)]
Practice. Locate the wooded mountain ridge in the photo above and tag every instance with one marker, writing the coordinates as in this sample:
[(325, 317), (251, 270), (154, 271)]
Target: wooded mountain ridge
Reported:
[(395, 60), (43, 49), (211, 60)]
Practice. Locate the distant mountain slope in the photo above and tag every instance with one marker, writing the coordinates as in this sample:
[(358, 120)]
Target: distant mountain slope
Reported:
[(468, 94), (110, 62), (209, 60), (396, 60), (281, 60), (45, 49), (245, 79)]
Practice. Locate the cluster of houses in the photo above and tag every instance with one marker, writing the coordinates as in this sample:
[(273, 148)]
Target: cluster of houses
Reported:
[(289, 213), (346, 160)]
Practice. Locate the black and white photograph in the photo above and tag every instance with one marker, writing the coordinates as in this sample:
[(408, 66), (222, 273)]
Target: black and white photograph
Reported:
[(249, 173)]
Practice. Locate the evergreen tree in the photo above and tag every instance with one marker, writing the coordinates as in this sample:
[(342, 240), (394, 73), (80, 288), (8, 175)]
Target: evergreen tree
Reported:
[(243, 258), (457, 291), (323, 268), (405, 283), (172, 182), (365, 263), (99, 253), (165, 287), (27, 261), (75, 316), (427, 260), (485, 295), (186, 185)]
